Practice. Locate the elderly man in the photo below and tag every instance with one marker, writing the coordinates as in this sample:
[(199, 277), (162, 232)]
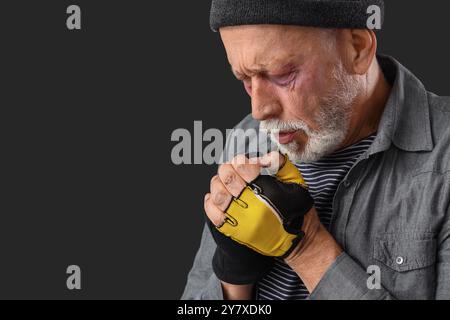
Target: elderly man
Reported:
[(371, 144)]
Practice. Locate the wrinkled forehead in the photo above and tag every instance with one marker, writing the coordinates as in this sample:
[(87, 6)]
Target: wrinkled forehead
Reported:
[(260, 45)]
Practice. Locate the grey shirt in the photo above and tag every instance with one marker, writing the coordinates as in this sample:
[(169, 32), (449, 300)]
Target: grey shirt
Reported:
[(391, 211)]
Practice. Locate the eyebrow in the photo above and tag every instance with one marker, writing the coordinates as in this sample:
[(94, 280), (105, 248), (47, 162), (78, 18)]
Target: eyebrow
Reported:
[(240, 75)]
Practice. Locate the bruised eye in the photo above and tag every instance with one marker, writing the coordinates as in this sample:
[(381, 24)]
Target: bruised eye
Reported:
[(283, 80)]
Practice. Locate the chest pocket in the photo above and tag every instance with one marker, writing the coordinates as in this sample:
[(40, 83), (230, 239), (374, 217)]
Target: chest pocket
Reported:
[(407, 260), (405, 251)]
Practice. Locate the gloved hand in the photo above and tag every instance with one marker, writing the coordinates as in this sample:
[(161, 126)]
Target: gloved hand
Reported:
[(268, 215), (235, 263), (263, 222)]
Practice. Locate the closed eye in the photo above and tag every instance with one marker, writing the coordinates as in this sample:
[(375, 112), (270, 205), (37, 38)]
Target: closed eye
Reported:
[(283, 80)]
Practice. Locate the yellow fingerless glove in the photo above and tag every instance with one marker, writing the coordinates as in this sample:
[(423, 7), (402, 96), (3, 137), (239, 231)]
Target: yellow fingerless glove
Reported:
[(268, 215)]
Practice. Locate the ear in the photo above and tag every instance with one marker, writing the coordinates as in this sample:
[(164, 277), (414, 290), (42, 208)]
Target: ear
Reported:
[(362, 48)]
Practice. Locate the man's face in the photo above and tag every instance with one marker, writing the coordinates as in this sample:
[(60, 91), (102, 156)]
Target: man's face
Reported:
[(298, 85)]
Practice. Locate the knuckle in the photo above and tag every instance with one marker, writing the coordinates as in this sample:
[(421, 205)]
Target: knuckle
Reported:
[(228, 179), (217, 221), (219, 198), (215, 182), (214, 217), (227, 174)]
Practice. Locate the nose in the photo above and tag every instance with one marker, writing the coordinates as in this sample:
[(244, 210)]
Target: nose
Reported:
[(265, 104)]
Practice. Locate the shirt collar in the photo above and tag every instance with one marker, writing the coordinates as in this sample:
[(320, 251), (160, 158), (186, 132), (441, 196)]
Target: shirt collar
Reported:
[(406, 118)]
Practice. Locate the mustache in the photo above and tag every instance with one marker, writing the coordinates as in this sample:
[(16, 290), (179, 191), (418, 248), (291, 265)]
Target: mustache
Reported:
[(274, 126)]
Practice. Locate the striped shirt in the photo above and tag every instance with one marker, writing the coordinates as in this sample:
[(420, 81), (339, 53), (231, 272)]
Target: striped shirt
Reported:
[(323, 178)]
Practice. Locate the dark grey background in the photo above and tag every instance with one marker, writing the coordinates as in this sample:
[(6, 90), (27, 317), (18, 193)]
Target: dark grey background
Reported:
[(86, 119)]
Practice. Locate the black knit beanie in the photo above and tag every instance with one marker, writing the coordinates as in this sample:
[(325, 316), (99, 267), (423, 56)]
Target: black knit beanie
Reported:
[(352, 14)]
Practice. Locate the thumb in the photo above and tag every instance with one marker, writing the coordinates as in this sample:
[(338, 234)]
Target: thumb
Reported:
[(272, 162), (280, 166)]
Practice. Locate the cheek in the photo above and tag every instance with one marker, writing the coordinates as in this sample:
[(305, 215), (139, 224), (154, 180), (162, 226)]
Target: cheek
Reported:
[(301, 101)]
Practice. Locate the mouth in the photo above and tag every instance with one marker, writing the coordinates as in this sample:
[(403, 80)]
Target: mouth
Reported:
[(286, 137)]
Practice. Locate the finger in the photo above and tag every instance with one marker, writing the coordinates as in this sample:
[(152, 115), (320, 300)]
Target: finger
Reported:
[(214, 214), (279, 165), (231, 180), (219, 194), (247, 169)]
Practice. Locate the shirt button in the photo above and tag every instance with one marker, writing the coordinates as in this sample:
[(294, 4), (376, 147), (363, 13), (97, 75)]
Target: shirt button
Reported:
[(399, 260), (347, 183)]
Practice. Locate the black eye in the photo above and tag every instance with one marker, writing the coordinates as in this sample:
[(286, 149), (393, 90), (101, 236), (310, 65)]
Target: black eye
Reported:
[(284, 80)]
